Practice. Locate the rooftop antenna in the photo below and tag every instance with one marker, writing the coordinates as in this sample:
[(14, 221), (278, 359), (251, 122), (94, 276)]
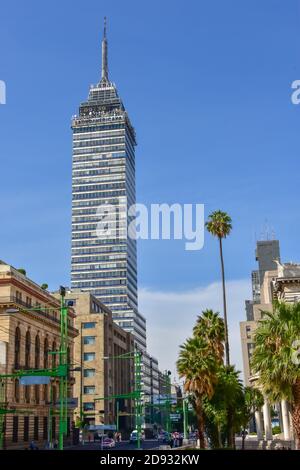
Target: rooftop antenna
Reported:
[(104, 73)]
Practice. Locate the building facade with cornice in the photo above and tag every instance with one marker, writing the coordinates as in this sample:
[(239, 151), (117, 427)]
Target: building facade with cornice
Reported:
[(29, 335)]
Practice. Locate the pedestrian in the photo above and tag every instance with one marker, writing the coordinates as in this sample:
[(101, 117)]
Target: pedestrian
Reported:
[(33, 446)]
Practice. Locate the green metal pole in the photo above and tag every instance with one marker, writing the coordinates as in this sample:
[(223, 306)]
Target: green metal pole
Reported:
[(168, 415), (137, 371), (168, 402), (117, 416), (62, 362), (81, 377), (2, 416), (50, 417)]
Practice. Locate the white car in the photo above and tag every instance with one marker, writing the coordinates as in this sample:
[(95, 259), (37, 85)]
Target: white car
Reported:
[(134, 436)]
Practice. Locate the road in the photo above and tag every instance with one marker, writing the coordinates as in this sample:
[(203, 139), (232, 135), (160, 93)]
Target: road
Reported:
[(124, 445)]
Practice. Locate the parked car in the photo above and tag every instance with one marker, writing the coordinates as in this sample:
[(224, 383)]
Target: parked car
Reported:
[(134, 436), (108, 443)]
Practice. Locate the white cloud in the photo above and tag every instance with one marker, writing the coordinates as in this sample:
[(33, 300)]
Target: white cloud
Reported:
[(172, 315)]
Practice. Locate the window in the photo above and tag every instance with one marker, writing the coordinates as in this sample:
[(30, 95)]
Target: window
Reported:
[(89, 372), (26, 428), (54, 394), (88, 325), (89, 406), (89, 340), (17, 347), (36, 428), (27, 393), (53, 427), (37, 352), (89, 356), (37, 394), (248, 331), (18, 296), (96, 307), (54, 355), (46, 349), (89, 390), (45, 393), (15, 428), (17, 391), (27, 350), (45, 427)]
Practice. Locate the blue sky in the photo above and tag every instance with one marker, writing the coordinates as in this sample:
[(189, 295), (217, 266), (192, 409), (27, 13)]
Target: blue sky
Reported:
[(207, 85)]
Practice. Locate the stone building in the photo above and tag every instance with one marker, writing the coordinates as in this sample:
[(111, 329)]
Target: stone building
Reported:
[(281, 282), (29, 331), (102, 374)]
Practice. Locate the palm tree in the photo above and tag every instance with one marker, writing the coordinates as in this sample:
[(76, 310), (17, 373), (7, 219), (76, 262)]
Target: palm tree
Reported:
[(253, 401), (230, 392), (197, 365), (211, 327), (275, 357), (224, 409), (219, 225)]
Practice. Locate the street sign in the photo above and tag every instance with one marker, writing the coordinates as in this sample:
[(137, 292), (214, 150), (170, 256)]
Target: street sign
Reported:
[(34, 380), (102, 427), (164, 399), (175, 416)]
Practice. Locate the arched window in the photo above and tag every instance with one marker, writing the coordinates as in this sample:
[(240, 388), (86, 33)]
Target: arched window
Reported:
[(17, 347), (27, 393), (37, 352), (46, 349), (37, 394), (45, 390), (54, 394), (17, 391), (54, 355), (27, 349)]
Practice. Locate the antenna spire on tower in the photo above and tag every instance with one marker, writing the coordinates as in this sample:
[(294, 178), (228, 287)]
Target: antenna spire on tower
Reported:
[(104, 74)]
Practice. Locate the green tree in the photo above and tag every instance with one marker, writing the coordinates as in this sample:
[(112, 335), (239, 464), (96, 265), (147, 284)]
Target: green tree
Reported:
[(44, 286), (275, 357), (211, 327), (197, 365), (253, 401), (22, 271), (228, 401), (219, 225)]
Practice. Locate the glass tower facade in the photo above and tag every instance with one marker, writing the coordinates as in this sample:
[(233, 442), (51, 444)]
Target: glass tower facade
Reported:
[(103, 188)]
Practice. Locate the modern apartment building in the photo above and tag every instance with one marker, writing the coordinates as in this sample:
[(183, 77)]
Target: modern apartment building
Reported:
[(29, 335), (103, 186)]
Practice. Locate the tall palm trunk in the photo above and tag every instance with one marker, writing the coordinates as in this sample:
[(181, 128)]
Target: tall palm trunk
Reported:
[(296, 412), (224, 305), (230, 432), (200, 421)]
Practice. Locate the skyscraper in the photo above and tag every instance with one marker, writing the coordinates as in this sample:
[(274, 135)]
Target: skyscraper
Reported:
[(103, 187)]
